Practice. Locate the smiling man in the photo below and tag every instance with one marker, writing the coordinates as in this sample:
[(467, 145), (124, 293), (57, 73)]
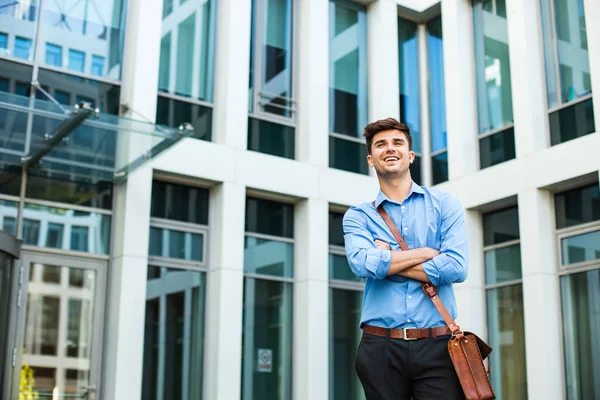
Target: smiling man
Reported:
[(403, 352)]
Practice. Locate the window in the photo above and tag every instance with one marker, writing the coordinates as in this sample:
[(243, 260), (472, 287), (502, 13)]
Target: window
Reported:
[(76, 60), (186, 66), (53, 55), (23, 48), (268, 287), (271, 106), (175, 293), (578, 234), (79, 238), (567, 70), (504, 293), (437, 101), (345, 306), (97, 65), (31, 231), (492, 71), (3, 43), (348, 86), (54, 235), (410, 104)]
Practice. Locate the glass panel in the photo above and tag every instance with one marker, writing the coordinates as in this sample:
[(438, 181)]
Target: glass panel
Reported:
[(267, 340), (271, 138), (176, 244), (498, 148), (492, 66), (336, 229), (8, 216), (173, 113), (53, 55), (23, 48), (75, 380), (439, 166), (51, 274), (45, 325), (500, 226), (572, 122), (179, 202), (85, 231), (96, 193), (344, 337), (87, 29), (580, 295), (348, 155), (268, 257), (276, 77), (569, 43), (409, 80), (581, 248), (347, 69), (437, 92), (506, 334), (174, 334), (5, 285), (3, 44), (577, 206), (415, 170), (503, 265), (186, 63), (97, 65), (339, 269), (269, 217)]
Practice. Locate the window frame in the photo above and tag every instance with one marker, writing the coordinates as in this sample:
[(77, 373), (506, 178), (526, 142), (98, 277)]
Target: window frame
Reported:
[(564, 233), (498, 246), (186, 227)]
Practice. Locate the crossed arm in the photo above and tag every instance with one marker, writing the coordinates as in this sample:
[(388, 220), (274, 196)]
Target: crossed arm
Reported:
[(407, 263)]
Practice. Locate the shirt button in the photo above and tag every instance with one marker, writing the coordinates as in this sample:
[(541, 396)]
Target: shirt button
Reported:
[(405, 228), (410, 297), (408, 320)]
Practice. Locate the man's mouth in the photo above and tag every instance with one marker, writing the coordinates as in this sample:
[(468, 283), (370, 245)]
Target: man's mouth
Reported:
[(391, 158)]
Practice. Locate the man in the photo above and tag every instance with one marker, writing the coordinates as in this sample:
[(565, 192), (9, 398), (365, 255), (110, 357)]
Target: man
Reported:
[(399, 357)]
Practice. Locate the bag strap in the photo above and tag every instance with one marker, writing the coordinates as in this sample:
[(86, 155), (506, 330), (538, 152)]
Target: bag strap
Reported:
[(427, 287)]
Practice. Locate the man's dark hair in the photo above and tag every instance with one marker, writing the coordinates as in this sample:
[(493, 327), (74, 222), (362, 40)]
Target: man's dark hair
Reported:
[(385, 125)]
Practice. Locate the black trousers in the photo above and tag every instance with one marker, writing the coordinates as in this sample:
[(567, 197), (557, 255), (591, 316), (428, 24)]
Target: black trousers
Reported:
[(397, 369)]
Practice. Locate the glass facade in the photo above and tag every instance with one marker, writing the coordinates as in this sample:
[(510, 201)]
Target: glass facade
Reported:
[(437, 101), (347, 85), (268, 300), (504, 293), (493, 79), (175, 293), (568, 77)]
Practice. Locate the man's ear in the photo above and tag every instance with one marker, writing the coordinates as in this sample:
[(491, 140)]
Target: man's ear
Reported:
[(411, 156), (370, 160)]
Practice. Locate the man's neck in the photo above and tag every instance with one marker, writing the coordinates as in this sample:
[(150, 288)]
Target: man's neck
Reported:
[(397, 188)]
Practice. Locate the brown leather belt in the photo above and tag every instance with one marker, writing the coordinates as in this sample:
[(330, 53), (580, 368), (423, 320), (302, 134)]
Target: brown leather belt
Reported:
[(407, 334)]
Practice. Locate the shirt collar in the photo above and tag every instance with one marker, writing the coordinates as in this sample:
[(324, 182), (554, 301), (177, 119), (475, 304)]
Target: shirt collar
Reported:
[(381, 197)]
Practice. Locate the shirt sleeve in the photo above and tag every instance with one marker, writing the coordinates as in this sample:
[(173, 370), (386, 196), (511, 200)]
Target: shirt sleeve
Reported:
[(365, 259), (450, 266)]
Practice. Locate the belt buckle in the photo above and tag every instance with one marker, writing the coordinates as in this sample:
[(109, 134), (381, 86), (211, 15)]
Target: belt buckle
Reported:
[(405, 336)]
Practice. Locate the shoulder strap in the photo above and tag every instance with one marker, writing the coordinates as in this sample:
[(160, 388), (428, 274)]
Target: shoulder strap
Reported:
[(427, 287)]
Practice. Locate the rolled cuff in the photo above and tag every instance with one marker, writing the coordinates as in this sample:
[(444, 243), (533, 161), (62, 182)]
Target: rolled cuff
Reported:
[(440, 270), (378, 262)]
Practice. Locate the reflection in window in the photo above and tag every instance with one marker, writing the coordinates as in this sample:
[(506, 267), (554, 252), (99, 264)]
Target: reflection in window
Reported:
[(581, 248), (54, 235), (31, 231), (577, 206), (97, 65), (409, 80), (271, 138), (187, 50), (268, 257), (76, 60), (3, 43), (171, 112), (174, 334), (179, 202), (23, 48), (176, 244), (79, 238), (53, 55), (269, 217), (492, 68)]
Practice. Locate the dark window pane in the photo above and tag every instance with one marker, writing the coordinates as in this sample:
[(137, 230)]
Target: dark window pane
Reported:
[(577, 206), (415, 170), (179, 202), (176, 244), (269, 217), (409, 79), (79, 238), (102, 95), (501, 226), (581, 328), (439, 167), (498, 148), (503, 264), (271, 138), (348, 156), (173, 113), (572, 122), (345, 113), (336, 231), (31, 231), (581, 248), (340, 270)]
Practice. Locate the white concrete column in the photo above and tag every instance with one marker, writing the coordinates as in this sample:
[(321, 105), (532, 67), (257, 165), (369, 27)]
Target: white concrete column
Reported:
[(592, 16), (311, 301), (312, 86), (528, 84), (224, 303), (126, 299), (232, 58), (470, 295), (541, 296), (426, 178), (383, 68), (459, 76)]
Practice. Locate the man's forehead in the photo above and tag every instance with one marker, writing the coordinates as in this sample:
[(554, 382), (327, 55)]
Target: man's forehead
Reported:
[(389, 134)]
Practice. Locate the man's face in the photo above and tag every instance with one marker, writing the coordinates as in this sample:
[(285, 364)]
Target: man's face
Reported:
[(390, 155)]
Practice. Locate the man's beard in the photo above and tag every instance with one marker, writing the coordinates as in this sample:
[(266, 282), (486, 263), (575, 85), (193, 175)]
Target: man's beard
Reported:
[(391, 175)]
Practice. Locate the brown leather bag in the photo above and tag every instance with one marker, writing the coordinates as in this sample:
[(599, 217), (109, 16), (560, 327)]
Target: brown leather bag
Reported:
[(466, 349)]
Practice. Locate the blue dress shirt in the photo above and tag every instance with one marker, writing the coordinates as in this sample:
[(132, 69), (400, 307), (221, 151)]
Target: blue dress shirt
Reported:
[(426, 218)]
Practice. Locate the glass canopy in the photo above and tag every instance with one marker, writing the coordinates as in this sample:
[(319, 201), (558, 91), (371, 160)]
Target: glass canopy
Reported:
[(79, 141)]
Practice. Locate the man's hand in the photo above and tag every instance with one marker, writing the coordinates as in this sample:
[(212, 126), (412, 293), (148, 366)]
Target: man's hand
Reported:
[(426, 252), (382, 245), (410, 267)]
